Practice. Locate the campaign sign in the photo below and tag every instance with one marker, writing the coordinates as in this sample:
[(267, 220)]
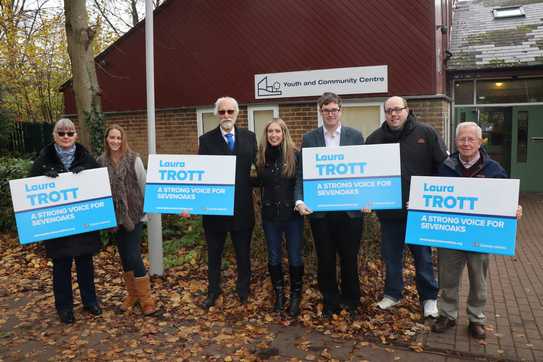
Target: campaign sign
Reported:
[(197, 184), (465, 213), (47, 208), (352, 177)]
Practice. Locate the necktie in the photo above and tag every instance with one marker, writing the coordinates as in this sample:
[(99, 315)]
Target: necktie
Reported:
[(230, 141)]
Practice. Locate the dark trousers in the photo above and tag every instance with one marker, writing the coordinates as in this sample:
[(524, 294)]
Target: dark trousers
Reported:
[(215, 246), (293, 230), (129, 245), (337, 233), (62, 281), (392, 251)]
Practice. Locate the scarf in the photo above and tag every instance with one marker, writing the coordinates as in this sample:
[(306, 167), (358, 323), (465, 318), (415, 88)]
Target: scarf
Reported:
[(66, 156), (126, 192)]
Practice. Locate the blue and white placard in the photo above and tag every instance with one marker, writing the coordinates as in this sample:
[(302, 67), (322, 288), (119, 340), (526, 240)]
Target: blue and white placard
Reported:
[(197, 184), (352, 177), (472, 214), (47, 208)]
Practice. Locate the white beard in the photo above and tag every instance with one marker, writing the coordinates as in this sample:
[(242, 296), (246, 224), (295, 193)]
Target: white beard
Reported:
[(227, 125)]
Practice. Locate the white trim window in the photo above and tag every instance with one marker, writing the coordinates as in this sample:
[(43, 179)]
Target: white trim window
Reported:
[(259, 115), (206, 120), (365, 117)]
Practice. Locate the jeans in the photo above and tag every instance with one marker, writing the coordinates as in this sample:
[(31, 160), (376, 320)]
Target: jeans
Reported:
[(129, 245), (293, 230), (392, 250), (62, 281)]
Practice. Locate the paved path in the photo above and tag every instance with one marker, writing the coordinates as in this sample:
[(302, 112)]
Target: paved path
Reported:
[(515, 301)]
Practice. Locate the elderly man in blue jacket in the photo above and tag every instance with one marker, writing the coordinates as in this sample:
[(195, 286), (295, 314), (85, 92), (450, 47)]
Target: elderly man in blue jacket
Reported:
[(470, 160)]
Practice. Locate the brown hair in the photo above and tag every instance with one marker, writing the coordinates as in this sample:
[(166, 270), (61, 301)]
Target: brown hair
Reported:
[(287, 147), (124, 142), (329, 97)]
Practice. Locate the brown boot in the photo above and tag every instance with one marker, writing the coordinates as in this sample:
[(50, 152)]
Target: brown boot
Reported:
[(132, 297), (143, 291)]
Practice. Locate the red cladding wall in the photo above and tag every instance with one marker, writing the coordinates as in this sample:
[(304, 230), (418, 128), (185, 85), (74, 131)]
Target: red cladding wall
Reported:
[(205, 49)]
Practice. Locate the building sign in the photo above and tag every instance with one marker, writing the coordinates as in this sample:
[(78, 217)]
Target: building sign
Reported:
[(355, 80), (197, 184), (472, 214), (47, 208), (352, 177)]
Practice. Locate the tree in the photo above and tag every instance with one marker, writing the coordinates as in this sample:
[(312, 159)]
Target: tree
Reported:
[(33, 61), (87, 92)]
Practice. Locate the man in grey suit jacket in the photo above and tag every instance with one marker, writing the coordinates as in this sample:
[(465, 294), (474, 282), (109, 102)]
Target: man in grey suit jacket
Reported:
[(334, 232)]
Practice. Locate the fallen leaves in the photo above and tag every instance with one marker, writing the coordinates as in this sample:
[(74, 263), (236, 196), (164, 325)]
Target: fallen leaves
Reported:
[(228, 331)]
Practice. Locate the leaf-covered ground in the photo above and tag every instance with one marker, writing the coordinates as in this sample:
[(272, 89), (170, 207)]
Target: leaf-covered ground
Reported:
[(30, 329)]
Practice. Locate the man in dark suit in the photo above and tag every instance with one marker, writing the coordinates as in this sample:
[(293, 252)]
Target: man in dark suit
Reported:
[(334, 232), (227, 139)]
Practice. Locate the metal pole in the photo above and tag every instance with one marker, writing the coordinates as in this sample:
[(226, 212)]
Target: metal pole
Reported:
[(154, 226)]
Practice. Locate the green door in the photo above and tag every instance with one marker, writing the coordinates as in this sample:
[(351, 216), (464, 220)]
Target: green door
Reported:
[(527, 150)]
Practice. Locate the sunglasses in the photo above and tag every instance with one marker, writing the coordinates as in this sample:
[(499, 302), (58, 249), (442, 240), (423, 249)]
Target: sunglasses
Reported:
[(224, 111), (62, 134)]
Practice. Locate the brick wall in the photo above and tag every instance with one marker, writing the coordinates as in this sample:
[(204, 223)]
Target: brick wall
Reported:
[(177, 131), (299, 118), (432, 111)]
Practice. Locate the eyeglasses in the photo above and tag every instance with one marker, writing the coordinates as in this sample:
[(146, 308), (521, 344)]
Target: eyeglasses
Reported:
[(62, 134), (330, 111), (222, 112), (469, 140), (394, 110)]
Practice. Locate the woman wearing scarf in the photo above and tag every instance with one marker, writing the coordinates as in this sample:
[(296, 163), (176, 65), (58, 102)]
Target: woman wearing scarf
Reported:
[(65, 155), (127, 178)]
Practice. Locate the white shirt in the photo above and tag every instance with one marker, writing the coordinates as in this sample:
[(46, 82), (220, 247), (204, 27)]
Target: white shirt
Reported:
[(468, 164), (331, 139)]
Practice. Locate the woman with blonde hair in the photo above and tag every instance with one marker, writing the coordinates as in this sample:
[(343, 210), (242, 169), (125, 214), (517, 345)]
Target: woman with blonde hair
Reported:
[(277, 161), (127, 177)]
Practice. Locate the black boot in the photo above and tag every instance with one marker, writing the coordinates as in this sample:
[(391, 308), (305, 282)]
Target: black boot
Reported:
[(296, 281), (276, 274)]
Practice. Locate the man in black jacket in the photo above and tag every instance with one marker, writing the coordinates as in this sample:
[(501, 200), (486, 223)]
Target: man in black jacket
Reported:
[(337, 232), (421, 150), (227, 139)]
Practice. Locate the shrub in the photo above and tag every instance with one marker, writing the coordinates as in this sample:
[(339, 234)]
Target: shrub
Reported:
[(183, 240), (10, 169)]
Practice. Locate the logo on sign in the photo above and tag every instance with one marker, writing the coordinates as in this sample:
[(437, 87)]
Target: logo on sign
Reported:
[(264, 89)]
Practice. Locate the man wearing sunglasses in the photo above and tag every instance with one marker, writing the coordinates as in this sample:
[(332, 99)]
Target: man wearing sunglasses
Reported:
[(227, 139), (421, 150)]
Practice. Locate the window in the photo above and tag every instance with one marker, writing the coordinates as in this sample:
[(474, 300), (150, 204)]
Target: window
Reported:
[(463, 92), (259, 115), (206, 120), (510, 91), (365, 117), (509, 12)]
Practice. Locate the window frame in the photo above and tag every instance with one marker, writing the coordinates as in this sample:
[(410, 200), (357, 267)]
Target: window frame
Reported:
[(260, 107), (348, 104), (200, 120)]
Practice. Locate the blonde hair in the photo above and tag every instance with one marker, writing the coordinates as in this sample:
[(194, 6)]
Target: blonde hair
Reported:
[(124, 142), (287, 147)]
